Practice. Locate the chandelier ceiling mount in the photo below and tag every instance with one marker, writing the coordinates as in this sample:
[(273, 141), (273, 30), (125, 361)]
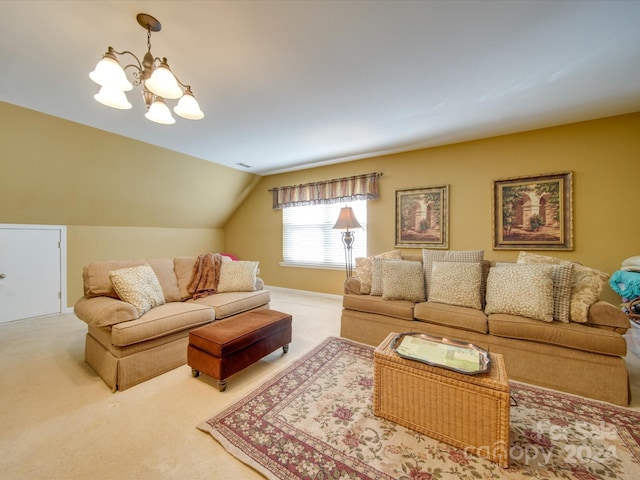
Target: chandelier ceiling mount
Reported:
[(153, 73)]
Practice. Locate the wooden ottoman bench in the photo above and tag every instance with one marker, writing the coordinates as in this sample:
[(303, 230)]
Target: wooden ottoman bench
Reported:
[(227, 346)]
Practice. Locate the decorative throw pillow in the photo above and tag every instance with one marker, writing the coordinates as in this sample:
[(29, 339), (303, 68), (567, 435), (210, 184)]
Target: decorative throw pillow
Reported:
[(138, 286), (586, 284), (430, 256), (585, 291), (456, 283), (525, 290), (364, 269), (237, 276), (402, 280), (562, 277)]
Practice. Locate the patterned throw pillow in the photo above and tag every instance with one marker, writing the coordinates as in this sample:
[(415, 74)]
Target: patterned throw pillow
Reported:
[(237, 276), (430, 256), (456, 283), (586, 284), (402, 280), (138, 286), (587, 287), (364, 269), (525, 290)]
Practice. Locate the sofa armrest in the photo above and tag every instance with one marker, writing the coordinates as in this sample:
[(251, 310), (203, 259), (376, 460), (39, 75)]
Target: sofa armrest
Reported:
[(605, 315), (352, 286), (104, 311)]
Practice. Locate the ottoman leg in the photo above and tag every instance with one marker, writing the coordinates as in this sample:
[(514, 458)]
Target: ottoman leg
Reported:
[(195, 373), (222, 385), (285, 349)]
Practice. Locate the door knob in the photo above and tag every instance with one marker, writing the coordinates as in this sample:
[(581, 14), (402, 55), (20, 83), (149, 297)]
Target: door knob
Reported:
[(2, 275)]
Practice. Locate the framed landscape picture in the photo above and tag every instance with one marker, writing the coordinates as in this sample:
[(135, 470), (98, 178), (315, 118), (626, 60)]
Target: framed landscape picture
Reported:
[(422, 217), (533, 212)]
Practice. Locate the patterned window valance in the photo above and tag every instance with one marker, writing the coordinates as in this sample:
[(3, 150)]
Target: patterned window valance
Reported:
[(359, 187)]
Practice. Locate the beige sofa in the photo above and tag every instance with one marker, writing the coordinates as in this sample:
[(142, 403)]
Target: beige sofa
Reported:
[(125, 347), (584, 358)]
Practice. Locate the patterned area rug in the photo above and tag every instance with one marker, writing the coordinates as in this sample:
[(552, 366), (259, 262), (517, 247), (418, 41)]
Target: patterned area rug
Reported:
[(314, 421)]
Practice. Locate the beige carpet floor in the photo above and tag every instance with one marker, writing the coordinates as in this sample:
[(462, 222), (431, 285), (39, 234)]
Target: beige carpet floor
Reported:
[(58, 420)]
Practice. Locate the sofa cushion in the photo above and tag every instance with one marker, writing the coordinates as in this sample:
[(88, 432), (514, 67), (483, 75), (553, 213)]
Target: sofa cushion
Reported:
[(96, 276), (570, 335), (230, 303), (402, 309), (586, 287), (161, 321), (525, 290), (167, 277), (464, 318), (237, 276), (430, 256), (183, 267), (402, 280), (456, 283), (138, 286), (364, 269)]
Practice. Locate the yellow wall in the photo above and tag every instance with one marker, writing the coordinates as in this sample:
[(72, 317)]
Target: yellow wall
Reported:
[(603, 154), (119, 198)]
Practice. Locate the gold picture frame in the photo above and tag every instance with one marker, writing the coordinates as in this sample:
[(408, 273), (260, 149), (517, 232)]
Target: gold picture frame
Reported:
[(422, 217), (533, 212)]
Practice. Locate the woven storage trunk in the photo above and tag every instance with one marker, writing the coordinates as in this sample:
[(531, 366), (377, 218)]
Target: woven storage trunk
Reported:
[(470, 412)]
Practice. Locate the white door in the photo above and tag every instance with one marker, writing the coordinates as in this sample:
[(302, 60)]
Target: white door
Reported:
[(30, 271)]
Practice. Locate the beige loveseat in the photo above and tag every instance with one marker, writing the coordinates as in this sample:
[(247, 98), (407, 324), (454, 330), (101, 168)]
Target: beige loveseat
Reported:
[(584, 357), (126, 347)]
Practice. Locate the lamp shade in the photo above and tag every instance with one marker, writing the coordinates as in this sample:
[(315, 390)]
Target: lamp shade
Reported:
[(109, 73), (112, 97), (163, 83), (160, 113), (188, 107), (346, 220)]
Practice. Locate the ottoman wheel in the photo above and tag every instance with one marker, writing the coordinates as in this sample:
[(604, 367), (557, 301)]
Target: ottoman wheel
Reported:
[(285, 349), (195, 373)]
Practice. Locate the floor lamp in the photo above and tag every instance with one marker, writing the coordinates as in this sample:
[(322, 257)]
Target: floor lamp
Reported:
[(347, 220)]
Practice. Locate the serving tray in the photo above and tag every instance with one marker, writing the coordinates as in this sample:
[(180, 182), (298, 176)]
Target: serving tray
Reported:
[(442, 352)]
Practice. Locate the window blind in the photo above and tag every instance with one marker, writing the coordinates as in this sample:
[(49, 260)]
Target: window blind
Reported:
[(309, 238)]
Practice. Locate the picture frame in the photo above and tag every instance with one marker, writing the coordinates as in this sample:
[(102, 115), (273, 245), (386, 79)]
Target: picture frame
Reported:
[(422, 217), (533, 212)]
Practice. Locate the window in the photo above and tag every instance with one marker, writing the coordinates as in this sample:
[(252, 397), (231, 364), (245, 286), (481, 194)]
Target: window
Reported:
[(309, 239)]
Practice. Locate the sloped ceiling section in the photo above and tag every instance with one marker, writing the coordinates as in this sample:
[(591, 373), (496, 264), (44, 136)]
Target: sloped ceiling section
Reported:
[(288, 85)]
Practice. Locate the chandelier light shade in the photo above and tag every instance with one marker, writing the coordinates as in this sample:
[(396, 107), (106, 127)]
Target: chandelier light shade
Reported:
[(112, 97), (163, 83), (160, 113), (346, 221), (153, 74)]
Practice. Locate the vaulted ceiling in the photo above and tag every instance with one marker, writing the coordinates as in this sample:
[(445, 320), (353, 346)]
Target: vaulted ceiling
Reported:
[(286, 85)]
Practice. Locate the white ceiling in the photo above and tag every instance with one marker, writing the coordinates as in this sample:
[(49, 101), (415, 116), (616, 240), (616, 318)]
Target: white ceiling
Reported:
[(287, 85)]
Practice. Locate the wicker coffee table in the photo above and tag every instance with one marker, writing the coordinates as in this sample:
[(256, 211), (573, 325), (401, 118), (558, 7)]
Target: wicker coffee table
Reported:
[(470, 412)]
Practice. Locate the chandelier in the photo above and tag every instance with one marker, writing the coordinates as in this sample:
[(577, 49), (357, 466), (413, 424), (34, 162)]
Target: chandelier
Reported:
[(157, 80)]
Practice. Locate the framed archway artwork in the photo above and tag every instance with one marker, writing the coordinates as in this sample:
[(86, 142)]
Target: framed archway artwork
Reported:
[(533, 212), (422, 217)]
